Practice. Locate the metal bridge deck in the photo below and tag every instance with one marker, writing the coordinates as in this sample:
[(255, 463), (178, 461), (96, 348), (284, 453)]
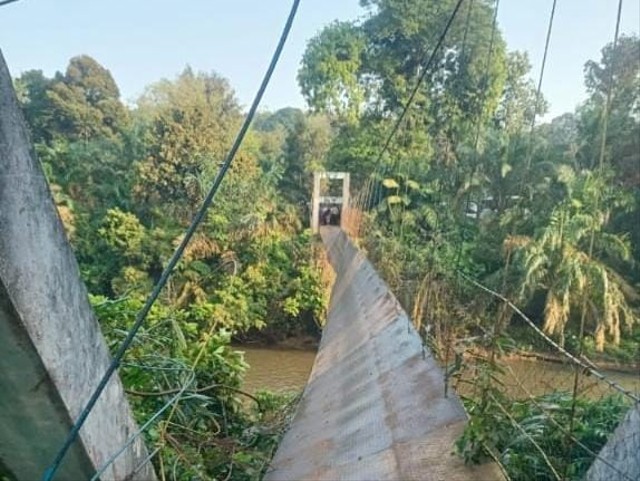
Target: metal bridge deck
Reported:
[(374, 406)]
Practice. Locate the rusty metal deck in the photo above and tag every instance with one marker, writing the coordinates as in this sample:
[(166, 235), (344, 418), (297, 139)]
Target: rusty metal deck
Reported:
[(374, 406)]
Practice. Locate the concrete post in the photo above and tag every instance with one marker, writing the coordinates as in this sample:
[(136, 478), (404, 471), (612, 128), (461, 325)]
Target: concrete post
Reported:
[(346, 207), (315, 204), (622, 452), (53, 353)]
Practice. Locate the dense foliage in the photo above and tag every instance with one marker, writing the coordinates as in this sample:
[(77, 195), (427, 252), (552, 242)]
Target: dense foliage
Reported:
[(544, 213), (127, 181), (544, 420)]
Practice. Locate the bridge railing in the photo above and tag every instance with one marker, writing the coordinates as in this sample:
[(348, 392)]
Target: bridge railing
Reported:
[(375, 406), (547, 409)]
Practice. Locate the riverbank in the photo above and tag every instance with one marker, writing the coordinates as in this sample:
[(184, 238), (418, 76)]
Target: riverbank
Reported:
[(286, 367), (596, 364), (296, 343)]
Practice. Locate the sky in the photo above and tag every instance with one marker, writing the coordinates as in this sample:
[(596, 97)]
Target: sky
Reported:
[(141, 42)]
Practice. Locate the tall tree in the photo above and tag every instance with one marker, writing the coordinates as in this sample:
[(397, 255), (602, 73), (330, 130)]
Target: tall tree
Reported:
[(86, 101), (617, 71), (305, 150), (32, 88), (331, 73), (189, 125)]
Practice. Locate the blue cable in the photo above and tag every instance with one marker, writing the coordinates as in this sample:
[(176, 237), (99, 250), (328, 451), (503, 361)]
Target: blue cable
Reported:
[(142, 315)]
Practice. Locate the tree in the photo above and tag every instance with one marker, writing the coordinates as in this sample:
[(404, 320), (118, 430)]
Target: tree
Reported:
[(272, 130), (304, 152), (330, 75), (85, 101), (618, 71), (32, 87), (461, 82), (517, 105), (188, 125), (371, 69), (285, 118), (572, 257)]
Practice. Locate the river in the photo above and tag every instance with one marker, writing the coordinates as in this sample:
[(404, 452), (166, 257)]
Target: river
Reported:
[(277, 370), (284, 370)]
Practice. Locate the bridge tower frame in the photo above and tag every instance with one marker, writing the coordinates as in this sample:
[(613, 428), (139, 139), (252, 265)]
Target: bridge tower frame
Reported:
[(318, 199)]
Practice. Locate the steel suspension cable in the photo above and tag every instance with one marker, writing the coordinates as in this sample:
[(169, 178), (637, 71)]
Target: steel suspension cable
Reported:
[(142, 315), (613, 385), (560, 427), (180, 392), (607, 105), (592, 236), (466, 28), (521, 385), (479, 118), (536, 105), (414, 92), (485, 84)]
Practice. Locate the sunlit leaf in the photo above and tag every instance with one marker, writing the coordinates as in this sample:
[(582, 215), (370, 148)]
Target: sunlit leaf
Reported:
[(390, 184)]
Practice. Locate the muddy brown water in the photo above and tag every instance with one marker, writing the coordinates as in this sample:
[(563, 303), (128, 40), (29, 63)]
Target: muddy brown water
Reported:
[(284, 370), (279, 370)]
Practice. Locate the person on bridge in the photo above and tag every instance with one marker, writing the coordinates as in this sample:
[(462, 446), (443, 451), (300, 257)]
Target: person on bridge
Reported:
[(325, 216), (335, 215)]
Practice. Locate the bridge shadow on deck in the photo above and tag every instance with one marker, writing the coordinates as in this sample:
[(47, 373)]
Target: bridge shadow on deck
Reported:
[(374, 405)]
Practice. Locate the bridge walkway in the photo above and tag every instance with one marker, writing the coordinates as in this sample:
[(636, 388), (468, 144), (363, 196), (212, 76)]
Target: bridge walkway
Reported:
[(374, 406)]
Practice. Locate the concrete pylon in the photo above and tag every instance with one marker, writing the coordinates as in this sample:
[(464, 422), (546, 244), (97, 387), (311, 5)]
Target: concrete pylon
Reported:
[(315, 203), (619, 459), (52, 352), (318, 199)]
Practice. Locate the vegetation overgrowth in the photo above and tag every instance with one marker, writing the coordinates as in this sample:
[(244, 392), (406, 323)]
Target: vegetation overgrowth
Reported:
[(545, 216), (127, 181), (544, 212)]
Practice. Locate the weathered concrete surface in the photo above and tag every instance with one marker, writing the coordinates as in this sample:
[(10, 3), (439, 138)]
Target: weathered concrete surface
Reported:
[(622, 451), (53, 353), (374, 406)]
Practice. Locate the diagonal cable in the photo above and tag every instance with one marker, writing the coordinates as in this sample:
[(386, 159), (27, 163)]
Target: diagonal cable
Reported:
[(197, 220), (416, 88)]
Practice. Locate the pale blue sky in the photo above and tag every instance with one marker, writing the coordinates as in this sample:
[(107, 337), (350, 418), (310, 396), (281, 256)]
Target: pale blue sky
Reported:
[(143, 41)]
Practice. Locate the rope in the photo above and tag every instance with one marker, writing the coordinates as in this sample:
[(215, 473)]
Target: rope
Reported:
[(562, 350), (142, 315)]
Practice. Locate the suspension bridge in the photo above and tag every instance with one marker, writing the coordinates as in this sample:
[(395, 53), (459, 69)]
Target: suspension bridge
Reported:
[(377, 404)]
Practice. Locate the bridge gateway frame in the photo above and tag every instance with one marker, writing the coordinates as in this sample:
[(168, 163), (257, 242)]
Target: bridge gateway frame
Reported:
[(318, 199)]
